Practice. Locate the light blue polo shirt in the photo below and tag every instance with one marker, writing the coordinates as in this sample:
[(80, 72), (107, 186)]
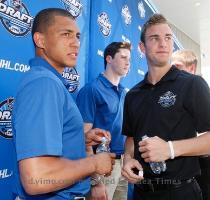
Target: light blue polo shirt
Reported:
[(101, 103), (46, 121)]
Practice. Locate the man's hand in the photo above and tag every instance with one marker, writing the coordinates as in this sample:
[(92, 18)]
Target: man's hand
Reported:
[(98, 192), (104, 163), (93, 136), (127, 170), (154, 149)]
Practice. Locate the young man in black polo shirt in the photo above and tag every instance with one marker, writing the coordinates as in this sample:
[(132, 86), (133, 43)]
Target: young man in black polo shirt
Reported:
[(170, 106)]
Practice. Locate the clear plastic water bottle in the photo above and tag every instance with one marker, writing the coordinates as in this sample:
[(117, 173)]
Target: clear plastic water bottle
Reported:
[(104, 146), (156, 167)]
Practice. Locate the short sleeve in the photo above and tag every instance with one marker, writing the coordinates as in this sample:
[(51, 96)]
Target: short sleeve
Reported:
[(127, 128), (197, 101), (38, 119), (86, 103)]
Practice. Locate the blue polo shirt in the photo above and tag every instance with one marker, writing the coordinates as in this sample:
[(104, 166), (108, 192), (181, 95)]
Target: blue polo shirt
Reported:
[(101, 103), (47, 122)]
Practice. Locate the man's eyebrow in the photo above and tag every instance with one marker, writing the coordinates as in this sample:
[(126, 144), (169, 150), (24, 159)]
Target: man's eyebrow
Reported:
[(69, 30), (156, 35)]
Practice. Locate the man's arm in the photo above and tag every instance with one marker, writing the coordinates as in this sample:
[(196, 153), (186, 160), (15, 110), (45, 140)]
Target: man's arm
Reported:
[(98, 190), (129, 163), (38, 178), (193, 147), (155, 149), (94, 136)]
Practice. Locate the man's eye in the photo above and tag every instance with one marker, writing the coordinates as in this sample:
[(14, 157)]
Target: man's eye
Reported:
[(78, 37), (168, 38), (66, 34), (154, 39)]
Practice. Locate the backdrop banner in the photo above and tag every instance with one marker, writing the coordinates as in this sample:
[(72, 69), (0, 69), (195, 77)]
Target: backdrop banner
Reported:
[(100, 23)]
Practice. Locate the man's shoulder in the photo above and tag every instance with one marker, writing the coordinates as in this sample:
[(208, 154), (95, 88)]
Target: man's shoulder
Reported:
[(94, 85), (188, 77), (37, 76), (136, 88)]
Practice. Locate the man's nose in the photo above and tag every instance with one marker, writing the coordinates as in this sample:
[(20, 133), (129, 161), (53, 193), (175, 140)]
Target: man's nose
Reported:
[(76, 42), (162, 42)]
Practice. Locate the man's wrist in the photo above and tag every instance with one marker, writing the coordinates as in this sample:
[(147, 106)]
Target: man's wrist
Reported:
[(95, 180), (171, 150), (126, 158)]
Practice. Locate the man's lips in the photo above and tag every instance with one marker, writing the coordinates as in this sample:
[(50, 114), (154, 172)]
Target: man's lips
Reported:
[(162, 52), (73, 54)]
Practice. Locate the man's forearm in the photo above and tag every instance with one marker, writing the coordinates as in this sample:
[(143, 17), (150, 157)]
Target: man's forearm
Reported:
[(47, 174), (193, 147), (129, 148)]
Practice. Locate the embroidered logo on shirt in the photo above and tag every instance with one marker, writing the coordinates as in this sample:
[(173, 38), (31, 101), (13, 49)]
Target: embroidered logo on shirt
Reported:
[(167, 99)]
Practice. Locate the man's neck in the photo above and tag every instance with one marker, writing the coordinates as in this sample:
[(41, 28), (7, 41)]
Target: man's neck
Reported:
[(156, 73), (42, 55), (112, 77)]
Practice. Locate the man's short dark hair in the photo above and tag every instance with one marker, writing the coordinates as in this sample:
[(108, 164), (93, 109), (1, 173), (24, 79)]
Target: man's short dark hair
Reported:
[(45, 18), (113, 48), (153, 20)]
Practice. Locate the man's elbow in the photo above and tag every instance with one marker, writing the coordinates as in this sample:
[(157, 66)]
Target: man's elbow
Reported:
[(32, 183), (33, 186)]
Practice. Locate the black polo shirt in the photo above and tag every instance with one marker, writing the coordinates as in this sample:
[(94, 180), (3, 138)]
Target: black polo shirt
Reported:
[(175, 108)]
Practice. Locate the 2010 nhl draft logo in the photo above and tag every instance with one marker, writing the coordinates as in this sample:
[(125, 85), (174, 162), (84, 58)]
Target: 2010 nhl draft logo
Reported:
[(126, 14), (104, 23), (167, 99), (5, 117), (141, 9), (72, 77), (15, 17), (73, 6)]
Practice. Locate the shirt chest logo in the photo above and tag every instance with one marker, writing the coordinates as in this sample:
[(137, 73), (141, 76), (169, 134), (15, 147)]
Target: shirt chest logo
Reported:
[(168, 99)]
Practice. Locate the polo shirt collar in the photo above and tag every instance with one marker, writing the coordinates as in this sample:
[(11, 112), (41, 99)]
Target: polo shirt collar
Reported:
[(107, 83), (169, 76), (38, 61)]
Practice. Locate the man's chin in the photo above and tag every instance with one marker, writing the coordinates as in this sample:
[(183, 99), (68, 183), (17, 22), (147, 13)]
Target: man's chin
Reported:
[(70, 65)]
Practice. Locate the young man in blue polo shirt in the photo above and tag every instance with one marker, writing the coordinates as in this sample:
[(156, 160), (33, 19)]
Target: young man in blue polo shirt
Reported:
[(101, 105), (47, 125)]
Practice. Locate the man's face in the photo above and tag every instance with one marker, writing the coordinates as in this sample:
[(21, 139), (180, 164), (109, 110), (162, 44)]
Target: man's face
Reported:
[(158, 45), (61, 43), (120, 64)]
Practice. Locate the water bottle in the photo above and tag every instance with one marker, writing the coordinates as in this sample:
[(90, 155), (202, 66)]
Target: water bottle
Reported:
[(104, 146), (156, 167)]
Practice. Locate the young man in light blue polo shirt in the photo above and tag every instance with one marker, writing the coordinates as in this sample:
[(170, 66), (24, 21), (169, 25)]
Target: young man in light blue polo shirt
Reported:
[(47, 125), (101, 106)]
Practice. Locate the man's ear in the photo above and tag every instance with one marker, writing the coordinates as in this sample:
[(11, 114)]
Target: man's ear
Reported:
[(192, 68), (39, 40), (108, 59), (142, 47)]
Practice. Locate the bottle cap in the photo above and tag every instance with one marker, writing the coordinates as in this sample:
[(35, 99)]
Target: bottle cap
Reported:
[(104, 140)]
